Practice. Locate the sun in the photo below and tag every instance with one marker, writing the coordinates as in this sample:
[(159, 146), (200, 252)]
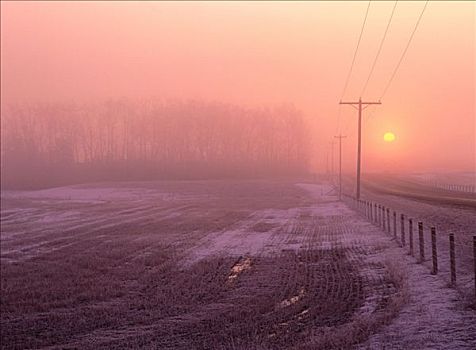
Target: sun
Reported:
[(389, 137)]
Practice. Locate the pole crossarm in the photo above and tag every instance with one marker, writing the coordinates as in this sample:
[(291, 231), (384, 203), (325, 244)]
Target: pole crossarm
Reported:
[(360, 102)]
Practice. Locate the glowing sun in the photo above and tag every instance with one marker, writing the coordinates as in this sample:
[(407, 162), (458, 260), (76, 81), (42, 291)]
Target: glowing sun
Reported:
[(389, 137)]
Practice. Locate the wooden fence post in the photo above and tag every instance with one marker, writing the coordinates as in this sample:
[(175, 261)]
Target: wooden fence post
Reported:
[(452, 259), (474, 261), (394, 224), (375, 213), (434, 252), (402, 227), (410, 235), (388, 220), (421, 241)]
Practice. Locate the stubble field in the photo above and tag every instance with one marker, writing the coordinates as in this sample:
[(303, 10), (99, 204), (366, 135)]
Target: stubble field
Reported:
[(212, 265)]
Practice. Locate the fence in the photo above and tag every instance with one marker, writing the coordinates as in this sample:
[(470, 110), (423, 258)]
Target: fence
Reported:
[(444, 253), (452, 187)]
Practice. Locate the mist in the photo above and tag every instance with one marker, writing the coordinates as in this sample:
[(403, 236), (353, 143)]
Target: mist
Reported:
[(48, 145), (215, 175), (230, 67)]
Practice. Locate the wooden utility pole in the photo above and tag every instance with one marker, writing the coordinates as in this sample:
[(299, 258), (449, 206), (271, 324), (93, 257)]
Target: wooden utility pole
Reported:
[(340, 137), (327, 164), (332, 143), (359, 104)]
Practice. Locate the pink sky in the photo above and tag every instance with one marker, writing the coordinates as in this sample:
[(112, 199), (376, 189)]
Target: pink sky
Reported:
[(260, 54)]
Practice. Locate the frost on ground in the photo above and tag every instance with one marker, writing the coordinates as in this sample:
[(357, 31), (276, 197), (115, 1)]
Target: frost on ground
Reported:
[(213, 265), (446, 218)]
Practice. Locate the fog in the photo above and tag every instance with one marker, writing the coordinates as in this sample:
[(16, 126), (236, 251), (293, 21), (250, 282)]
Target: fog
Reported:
[(121, 140), (142, 90)]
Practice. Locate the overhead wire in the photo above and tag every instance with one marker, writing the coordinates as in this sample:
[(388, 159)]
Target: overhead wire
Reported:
[(404, 52), (349, 74), (373, 110), (352, 66), (379, 49), (356, 50)]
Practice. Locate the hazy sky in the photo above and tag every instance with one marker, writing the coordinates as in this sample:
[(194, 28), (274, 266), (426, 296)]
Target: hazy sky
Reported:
[(259, 54)]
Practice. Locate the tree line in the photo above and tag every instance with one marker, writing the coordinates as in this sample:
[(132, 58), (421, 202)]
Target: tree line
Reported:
[(53, 144)]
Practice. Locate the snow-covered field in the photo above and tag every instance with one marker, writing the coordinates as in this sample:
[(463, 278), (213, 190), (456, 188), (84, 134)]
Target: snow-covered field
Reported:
[(214, 265)]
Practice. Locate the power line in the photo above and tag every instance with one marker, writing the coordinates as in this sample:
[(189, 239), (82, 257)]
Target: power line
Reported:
[(352, 66), (379, 49), (355, 52), (404, 51)]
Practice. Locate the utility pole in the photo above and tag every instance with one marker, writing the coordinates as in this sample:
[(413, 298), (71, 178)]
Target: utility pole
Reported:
[(340, 137), (332, 160), (327, 164), (359, 143)]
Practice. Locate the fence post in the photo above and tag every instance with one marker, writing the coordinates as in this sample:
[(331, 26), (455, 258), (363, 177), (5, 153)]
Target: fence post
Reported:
[(474, 261), (394, 224), (434, 252), (382, 216), (410, 235), (452, 259), (388, 220), (402, 226), (379, 213), (421, 241), (375, 213)]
